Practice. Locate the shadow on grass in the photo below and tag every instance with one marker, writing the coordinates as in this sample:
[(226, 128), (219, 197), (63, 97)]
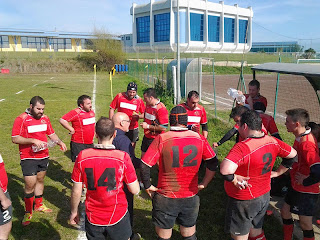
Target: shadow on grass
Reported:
[(41, 229), (57, 173)]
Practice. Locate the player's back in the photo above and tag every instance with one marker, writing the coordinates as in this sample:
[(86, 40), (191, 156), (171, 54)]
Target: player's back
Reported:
[(181, 156), (269, 123)]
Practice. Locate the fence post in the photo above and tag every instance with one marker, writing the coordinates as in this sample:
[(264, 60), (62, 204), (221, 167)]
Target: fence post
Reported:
[(276, 97), (214, 90)]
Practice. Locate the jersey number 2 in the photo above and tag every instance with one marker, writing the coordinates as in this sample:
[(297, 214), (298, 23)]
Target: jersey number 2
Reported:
[(189, 160), (267, 158), (109, 173)]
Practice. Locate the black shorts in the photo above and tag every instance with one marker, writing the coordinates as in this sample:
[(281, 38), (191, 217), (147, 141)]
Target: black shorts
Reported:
[(31, 167), (242, 215), (76, 148), (6, 215), (133, 135), (120, 231), (146, 142), (303, 204), (165, 211)]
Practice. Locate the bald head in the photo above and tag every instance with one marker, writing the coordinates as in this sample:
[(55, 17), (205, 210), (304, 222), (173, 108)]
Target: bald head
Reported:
[(121, 121)]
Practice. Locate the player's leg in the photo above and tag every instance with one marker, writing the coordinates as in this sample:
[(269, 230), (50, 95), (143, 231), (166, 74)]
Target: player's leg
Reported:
[(286, 214), (29, 186), (256, 234), (306, 226), (120, 231), (5, 220), (188, 233), (5, 230), (163, 233)]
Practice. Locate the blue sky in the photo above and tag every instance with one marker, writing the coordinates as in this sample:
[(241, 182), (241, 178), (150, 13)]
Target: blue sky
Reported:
[(284, 20)]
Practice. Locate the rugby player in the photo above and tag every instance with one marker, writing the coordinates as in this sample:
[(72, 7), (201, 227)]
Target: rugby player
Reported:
[(247, 173), (178, 153), (103, 169), (303, 193), (196, 114), (254, 94), (30, 129), (131, 104), (82, 126), (155, 118), (5, 204)]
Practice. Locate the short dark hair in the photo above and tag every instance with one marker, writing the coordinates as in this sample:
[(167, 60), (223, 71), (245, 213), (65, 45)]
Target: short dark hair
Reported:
[(82, 98), (178, 116), (238, 111), (259, 106), (299, 115), (37, 99), (150, 92), (252, 119), (254, 83), (105, 128), (193, 94), (315, 129)]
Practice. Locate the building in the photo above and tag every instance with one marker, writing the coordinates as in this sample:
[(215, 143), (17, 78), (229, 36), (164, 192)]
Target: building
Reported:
[(205, 27), (274, 47), (44, 41)]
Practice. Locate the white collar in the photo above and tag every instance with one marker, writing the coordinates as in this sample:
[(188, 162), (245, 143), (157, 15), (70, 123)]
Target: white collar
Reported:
[(173, 128), (107, 147)]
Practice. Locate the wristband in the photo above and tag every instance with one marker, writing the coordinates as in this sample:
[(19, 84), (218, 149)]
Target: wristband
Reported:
[(228, 177)]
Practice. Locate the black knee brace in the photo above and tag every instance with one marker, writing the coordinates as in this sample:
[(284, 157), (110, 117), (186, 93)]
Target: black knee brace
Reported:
[(308, 233), (192, 237)]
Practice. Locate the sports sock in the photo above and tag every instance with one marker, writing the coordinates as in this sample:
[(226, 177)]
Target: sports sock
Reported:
[(38, 200), (28, 201), (308, 235), (192, 237), (261, 236), (287, 228)]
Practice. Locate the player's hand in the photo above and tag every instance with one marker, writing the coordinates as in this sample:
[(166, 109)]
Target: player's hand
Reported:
[(63, 147), (5, 203), (151, 191), (274, 174), (135, 116), (241, 182), (40, 144), (74, 218), (144, 125), (201, 186), (250, 100), (195, 128), (299, 178), (214, 145), (72, 131)]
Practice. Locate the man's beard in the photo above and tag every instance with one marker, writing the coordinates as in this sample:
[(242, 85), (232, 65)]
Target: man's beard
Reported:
[(34, 115)]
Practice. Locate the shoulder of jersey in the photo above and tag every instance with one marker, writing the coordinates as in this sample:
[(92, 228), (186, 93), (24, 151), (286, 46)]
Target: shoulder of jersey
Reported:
[(23, 115), (78, 110)]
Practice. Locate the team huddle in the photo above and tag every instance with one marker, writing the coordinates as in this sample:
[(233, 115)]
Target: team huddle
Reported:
[(106, 171)]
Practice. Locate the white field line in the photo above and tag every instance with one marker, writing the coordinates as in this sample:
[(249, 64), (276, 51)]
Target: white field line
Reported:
[(20, 92), (1, 100), (52, 78), (35, 85)]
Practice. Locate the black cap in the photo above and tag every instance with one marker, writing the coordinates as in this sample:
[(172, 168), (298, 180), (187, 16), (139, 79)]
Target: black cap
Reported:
[(132, 86)]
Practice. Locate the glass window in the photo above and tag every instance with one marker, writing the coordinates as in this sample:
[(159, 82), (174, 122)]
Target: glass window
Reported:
[(127, 37), (243, 24), (143, 29), (68, 44), (229, 30), (196, 27), (162, 27), (4, 41), (213, 28)]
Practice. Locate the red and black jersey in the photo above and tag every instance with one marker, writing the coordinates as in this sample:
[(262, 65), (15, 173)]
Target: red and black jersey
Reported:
[(155, 115), (255, 158), (308, 155), (179, 155), (196, 116), (83, 123), (258, 98), (3, 176), (130, 107), (28, 127), (103, 171), (269, 123)]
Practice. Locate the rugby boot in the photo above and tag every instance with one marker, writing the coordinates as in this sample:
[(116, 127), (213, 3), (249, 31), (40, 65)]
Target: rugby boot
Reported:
[(26, 219), (42, 208)]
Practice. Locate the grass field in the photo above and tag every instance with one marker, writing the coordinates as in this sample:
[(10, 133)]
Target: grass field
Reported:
[(60, 92)]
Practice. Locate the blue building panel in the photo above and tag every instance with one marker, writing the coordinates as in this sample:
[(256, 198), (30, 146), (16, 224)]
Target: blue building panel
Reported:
[(213, 28), (143, 29), (196, 27), (162, 27), (229, 30), (243, 26)]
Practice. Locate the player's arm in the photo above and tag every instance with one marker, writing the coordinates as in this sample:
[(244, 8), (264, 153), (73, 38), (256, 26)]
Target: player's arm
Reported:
[(111, 112), (286, 163), (154, 128), (54, 137), (66, 125), (211, 168), (145, 177), (75, 200), (276, 135), (228, 169), (205, 130), (134, 187), (226, 137), (23, 140), (4, 201)]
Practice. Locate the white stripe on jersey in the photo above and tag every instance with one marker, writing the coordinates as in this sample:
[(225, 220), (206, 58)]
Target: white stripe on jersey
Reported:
[(128, 106), (149, 116), (37, 128), (194, 119), (89, 121)]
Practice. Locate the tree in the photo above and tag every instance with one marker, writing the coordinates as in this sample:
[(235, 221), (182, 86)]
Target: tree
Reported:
[(309, 53)]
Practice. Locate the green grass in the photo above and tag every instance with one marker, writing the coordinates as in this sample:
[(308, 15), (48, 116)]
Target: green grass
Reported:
[(61, 92)]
